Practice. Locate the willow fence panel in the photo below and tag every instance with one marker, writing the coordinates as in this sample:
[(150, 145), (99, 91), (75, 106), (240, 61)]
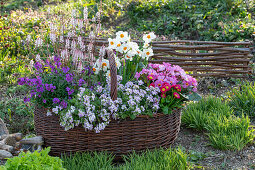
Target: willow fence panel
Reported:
[(203, 58)]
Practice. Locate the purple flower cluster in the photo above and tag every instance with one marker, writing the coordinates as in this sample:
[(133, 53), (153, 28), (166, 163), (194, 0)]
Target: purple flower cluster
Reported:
[(50, 87)]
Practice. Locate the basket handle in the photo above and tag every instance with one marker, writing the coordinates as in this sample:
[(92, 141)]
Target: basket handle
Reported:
[(113, 71)]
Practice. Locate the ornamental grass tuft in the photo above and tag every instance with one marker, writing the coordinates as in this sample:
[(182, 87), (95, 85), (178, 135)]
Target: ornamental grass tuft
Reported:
[(225, 130), (242, 100)]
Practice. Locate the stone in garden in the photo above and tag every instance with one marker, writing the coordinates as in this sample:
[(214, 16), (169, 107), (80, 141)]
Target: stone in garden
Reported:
[(3, 129), (5, 154), (32, 144), (6, 147)]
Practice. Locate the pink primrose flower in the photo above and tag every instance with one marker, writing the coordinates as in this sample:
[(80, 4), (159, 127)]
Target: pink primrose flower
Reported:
[(176, 95), (152, 85), (163, 89), (178, 87), (159, 83), (167, 86)]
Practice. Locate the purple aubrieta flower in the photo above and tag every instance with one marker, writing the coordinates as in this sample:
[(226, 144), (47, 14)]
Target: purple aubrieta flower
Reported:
[(56, 100), (65, 69), (58, 64), (68, 89), (69, 78), (70, 92), (38, 66), (26, 99), (44, 100), (22, 81), (81, 82), (56, 59), (63, 104)]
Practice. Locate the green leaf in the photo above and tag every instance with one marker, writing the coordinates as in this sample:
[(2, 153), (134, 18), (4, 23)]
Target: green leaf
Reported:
[(165, 110), (192, 96)]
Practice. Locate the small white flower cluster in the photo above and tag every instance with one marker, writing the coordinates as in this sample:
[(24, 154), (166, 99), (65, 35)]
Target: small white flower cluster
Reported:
[(93, 110), (135, 100), (129, 49)]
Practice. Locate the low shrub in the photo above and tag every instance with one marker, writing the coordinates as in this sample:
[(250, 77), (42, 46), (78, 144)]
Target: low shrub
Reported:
[(242, 99), (225, 130), (34, 161)]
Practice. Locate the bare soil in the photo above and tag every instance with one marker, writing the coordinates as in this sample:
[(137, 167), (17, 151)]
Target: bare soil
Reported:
[(212, 158)]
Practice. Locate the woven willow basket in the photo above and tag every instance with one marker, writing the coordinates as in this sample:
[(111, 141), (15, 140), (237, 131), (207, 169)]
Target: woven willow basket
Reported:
[(120, 137)]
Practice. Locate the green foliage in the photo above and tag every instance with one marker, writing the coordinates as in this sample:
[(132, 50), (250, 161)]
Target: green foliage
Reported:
[(242, 99), (34, 161), (225, 130), (11, 68), (151, 159), (196, 114), (230, 132), (191, 19), (17, 115), (91, 161), (157, 159)]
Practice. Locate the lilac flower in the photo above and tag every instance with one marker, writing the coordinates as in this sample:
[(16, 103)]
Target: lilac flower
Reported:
[(38, 66), (56, 100), (63, 104), (69, 78), (58, 64), (40, 89), (32, 94), (81, 82), (22, 81), (56, 59), (65, 69), (26, 99), (70, 92), (68, 89)]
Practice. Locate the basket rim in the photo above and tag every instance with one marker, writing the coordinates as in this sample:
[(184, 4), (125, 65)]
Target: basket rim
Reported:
[(127, 118)]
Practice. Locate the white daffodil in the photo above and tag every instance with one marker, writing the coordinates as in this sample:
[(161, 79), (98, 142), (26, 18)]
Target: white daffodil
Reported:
[(133, 47), (118, 46), (112, 43), (105, 64), (147, 53), (124, 48), (122, 36), (108, 74), (146, 45), (129, 56), (148, 37), (118, 63), (139, 52), (96, 67)]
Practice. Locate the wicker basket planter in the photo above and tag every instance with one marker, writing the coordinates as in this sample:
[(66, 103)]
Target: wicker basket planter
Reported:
[(120, 137)]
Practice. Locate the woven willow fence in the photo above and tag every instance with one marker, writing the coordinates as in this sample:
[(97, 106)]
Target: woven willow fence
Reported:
[(204, 58)]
